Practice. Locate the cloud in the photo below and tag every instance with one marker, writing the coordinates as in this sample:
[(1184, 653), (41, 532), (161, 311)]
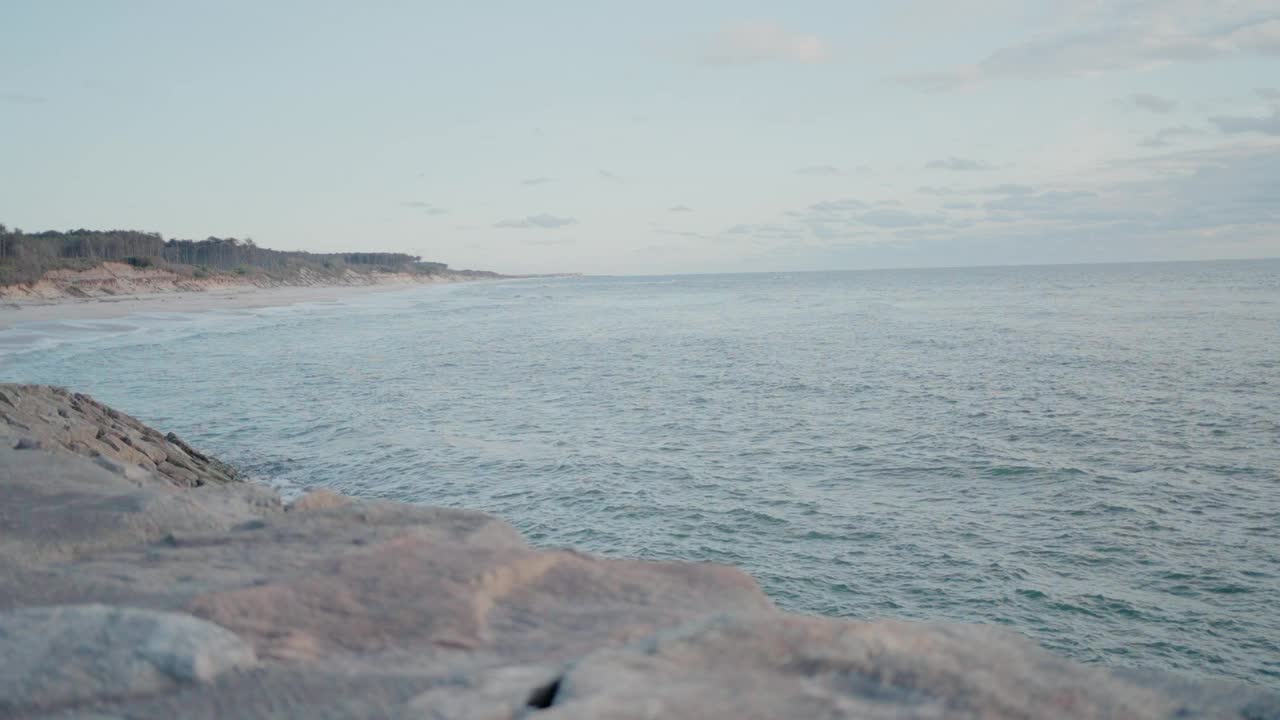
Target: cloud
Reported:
[(1144, 36), (1153, 103), (833, 208), (887, 218), (680, 209), (543, 221), (763, 42), (1165, 137), (1009, 189), (935, 190), (606, 175), (848, 218), (662, 230), (820, 171), (1213, 202), (765, 232), (1269, 93), (959, 164), (22, 99), (941, 80), (537, 181), (1267, 125), (426, 207), (551, 241), (1052, 204)]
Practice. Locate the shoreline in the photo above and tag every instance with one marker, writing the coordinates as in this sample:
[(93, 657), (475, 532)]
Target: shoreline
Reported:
[(19, 311), (144, 579)]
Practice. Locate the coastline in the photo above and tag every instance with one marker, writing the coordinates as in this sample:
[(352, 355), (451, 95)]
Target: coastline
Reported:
[(17, 311), (144, 579)]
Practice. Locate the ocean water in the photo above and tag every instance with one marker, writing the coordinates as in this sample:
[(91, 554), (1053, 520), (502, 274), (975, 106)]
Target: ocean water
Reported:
[(1088, 454)]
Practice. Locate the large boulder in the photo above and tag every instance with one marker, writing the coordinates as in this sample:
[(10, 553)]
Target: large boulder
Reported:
[(56, 504), (60, 655)]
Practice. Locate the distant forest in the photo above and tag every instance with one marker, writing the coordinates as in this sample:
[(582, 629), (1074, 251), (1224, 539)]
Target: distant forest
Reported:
[(25, 257)]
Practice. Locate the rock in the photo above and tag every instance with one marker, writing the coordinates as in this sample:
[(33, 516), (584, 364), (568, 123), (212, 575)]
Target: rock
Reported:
[(455, 580), (56, 505), (501, 694), (41, 416), (321, 499), (54, 656), (774, 666)]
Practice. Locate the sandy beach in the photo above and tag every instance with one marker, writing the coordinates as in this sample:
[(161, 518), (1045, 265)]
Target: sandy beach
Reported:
[(17, 311)]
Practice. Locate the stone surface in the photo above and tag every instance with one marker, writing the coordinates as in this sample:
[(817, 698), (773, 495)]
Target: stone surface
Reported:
[(63, 654), (320, 499), (56, 505), (38, 416), (772, 666), (358, 609)]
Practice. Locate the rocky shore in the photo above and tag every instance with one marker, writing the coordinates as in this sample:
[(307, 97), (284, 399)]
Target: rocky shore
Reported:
[(140, 578)]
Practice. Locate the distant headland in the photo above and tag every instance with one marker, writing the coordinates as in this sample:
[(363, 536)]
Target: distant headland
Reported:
[(81, 263), (93, 274)]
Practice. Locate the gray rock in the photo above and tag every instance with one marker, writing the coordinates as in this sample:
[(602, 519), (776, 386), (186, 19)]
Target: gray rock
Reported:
[(55, 504), (58, 655), (776, 666), (41, 416), (498, 694)]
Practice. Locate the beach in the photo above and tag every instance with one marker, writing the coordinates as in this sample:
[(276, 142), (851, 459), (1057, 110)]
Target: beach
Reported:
[(16, 311)]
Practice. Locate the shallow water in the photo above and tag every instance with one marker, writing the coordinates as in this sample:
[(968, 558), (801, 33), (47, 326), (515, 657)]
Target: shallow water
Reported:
[(1088, 454)]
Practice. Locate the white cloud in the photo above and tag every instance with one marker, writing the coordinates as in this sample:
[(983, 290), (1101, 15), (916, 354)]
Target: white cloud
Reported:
[(941, 80), (1267, 125), (680, 209), (22, 99), (888, 218), (1153, 103), (1165, 137), (1009, 189), (828, 209), (426, 207), (1142, 36), (959, 164), (1217, 202), (935, 190), (820, 171), (762, 42), (543, 221)]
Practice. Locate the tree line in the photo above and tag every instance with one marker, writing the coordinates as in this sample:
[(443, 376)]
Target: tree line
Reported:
[(25, 257)]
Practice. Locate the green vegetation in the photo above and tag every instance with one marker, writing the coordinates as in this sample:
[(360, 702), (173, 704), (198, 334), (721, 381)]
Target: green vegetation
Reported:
[(26, 257)]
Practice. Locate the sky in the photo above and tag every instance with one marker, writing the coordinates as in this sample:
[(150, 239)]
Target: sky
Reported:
[(657, 137)]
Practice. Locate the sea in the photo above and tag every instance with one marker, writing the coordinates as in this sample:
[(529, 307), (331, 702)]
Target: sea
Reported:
[(1087, 454)]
